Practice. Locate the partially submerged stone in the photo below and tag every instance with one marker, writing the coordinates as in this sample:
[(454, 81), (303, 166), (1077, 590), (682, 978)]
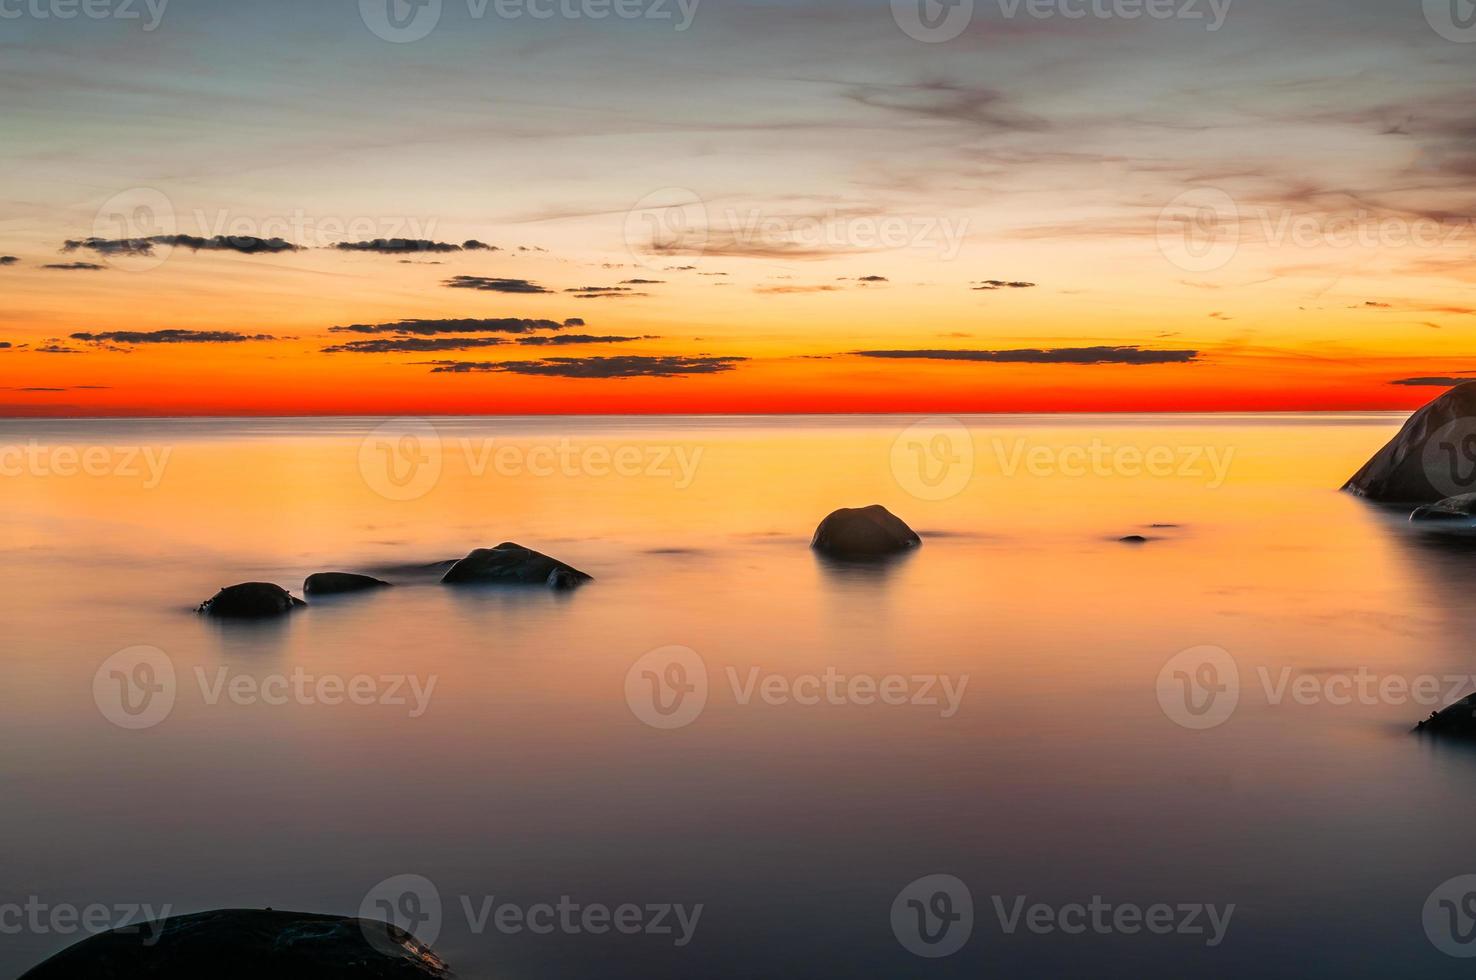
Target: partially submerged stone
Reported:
[(250, 600), (512, 564), (863, 533), (336, 583)]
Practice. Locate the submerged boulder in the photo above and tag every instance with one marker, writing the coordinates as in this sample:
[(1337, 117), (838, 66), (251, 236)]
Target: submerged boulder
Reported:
[(512, 564), (1459, 508), (251, 600), (1432, 457), (334, 583), (245, 944), (864, 532), (1455, 719)]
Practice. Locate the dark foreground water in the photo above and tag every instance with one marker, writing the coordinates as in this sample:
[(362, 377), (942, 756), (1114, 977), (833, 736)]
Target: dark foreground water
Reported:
[(726, 758)]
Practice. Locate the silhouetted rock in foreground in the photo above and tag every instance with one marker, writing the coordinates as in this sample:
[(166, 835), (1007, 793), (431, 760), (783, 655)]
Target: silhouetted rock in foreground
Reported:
[(253, 600), (1456, 719), (1460, 508), (863, 533), (248, 945), (1416, 467), (512, 564), (333, 583)]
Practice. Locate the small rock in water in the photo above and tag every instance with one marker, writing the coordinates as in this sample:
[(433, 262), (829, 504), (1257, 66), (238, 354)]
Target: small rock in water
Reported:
[(1458, 508), (1455, 719), (512, 564), (864, 533), (1134, 539), (334, 583), (248, 943), (251, 600)]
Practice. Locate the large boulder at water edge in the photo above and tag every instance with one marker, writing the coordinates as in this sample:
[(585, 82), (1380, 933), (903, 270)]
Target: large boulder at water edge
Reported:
[(252, 600), (247, 945), (863, 533), (1458, 719), (512, 564), (1433, 457)]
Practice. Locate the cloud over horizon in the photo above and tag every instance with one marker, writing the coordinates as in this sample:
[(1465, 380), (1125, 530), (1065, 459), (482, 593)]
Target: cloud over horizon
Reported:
[(1060, 355), (632, 366), (493, 285)]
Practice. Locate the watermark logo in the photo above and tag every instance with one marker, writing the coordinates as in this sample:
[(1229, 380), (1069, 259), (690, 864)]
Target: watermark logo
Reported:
[(1450, 457), (401, 460), (933, 21), (135, 688), (1450, 917), (933, 916), (1199, 688), (1199, 231), (400, 21), (666, 222), (934, 459), (409, 903), (1454, 20), (667, 688), (128, 220)]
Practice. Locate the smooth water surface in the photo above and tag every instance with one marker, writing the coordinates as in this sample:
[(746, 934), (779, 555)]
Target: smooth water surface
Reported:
[(530, 775)]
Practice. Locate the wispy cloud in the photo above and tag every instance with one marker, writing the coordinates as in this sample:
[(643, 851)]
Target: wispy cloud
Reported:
[(244, 244), (1060, 355), (170, 337), (597, 367), (402, 246), (428, 328), (491, 285)]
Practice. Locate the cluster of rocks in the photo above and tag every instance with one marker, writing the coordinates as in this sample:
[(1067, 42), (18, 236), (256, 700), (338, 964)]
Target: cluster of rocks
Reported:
[(506, 564), (1431, 456), (860, 534)]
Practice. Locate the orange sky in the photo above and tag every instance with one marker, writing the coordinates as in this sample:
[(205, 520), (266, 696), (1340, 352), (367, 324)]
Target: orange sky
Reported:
[(1217, 219)]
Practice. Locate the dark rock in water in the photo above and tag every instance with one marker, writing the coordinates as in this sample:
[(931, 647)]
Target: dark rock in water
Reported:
[(1134, 539), (333, 583), (1456, 719), (253, 600), (863, 533), (1450, 509), (1432, 457), (512, 564), (248, 945)]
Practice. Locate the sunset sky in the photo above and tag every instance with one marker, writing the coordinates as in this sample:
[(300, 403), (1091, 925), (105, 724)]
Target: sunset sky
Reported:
[(782, 207)]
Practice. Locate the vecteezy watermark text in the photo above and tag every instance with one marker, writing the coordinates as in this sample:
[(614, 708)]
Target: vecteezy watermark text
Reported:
[(137, 688), (38, 917), (1099, 458), (668, 688), (403, 459), (87, 9), (404, 21), (33, 458), (936, 21), (414, 904), (933, 917), (1200, 688)]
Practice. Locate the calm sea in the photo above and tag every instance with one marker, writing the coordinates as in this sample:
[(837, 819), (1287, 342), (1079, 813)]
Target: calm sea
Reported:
[(1029, 744)]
